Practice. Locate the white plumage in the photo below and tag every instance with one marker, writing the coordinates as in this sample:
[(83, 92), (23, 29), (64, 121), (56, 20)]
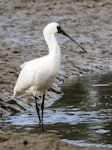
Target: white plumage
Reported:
[(39, 74)]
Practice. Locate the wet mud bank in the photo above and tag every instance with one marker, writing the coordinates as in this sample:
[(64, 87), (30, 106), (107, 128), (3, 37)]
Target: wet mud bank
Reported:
[(20, 141)]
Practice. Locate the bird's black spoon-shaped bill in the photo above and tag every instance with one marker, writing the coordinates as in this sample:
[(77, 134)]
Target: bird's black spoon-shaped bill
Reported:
[(75, 42), (60, 30)]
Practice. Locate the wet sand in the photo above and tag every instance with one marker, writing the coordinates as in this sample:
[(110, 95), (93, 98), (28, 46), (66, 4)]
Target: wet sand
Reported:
[(21, 39)]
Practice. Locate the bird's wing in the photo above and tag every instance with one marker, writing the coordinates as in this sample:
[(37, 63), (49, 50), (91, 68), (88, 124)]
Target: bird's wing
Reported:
[(26, 78), (30, 75)]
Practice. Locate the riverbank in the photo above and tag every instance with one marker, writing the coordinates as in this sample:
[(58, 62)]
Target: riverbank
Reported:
[(20, 141)]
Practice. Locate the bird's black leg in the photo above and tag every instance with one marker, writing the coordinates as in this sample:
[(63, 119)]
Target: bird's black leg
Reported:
[(37, 109), (42, 106)]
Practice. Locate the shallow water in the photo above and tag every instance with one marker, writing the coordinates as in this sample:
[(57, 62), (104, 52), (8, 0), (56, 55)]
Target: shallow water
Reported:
[(83, 116)]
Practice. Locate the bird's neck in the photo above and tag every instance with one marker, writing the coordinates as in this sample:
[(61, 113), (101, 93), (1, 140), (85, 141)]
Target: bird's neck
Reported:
[(53, 45)]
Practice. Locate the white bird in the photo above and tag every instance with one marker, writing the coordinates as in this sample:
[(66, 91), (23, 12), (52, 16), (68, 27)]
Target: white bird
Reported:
[(39, 74)]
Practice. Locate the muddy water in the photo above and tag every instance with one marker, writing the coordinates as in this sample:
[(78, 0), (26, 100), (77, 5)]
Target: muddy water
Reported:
[(83, 116)]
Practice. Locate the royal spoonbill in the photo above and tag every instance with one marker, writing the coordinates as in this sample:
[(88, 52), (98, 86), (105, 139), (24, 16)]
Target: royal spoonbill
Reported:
[(40, 73)]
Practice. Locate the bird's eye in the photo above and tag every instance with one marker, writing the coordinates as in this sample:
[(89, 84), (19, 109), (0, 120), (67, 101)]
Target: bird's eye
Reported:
[(58, 27)]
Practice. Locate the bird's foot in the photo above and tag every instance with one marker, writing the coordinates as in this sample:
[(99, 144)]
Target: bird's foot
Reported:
[(41, 127)]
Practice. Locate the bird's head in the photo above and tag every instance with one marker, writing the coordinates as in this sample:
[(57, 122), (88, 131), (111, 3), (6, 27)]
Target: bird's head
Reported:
[(53, 28)]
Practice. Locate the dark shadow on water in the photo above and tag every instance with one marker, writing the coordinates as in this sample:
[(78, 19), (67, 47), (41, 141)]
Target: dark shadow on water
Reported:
[(89, 102)]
